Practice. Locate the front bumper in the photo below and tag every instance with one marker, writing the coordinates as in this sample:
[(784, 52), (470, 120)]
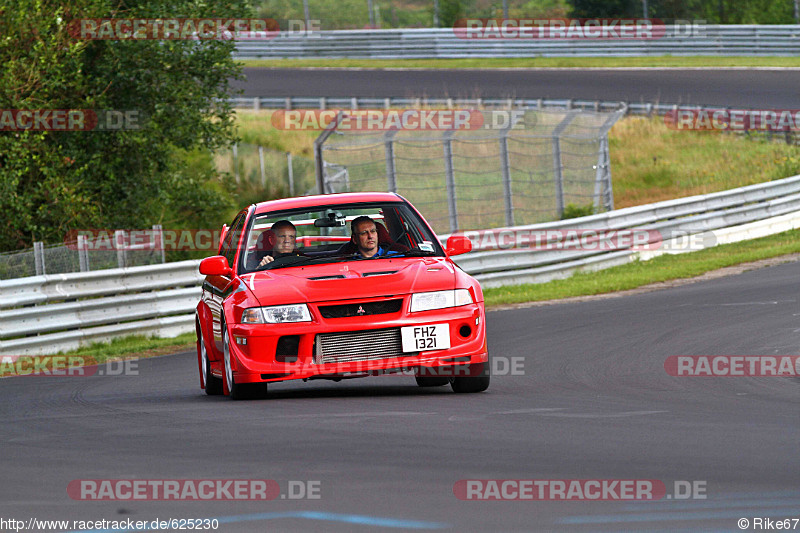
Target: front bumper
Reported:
[(257, 357)]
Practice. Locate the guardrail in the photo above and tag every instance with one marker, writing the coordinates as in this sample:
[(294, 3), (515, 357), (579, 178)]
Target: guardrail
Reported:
[(443, 43), (46, 314)]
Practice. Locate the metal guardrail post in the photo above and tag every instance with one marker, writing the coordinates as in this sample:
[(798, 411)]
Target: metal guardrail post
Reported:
[(450, 180), (119, 244), (83, 253), (391, 173), (158, 241), (38, 258)]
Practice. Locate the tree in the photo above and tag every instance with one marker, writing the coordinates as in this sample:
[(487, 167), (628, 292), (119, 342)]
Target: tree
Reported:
[(55, 181)]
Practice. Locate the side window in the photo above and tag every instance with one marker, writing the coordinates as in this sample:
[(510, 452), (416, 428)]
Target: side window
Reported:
[(232, 238)]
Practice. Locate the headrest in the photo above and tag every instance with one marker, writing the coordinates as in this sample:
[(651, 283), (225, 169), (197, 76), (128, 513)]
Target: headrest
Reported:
[(265, 241)]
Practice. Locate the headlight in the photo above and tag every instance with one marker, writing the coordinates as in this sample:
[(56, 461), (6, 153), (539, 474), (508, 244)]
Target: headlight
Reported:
[(276, 314), (426, 301)]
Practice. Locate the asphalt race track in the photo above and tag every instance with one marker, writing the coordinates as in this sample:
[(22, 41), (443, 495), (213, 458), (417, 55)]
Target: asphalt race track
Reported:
[(592, 401), (745, 88)]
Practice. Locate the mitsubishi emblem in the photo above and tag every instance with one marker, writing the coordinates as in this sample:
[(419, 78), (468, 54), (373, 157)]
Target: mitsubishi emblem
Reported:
[(360, 310)]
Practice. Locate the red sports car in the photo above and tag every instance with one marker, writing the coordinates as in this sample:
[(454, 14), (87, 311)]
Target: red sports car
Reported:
[(333, 287)]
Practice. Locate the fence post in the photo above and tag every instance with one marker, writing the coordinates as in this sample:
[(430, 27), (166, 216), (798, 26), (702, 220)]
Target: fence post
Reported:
[(319, 162), (290, 167), (391, 173), (557, 164), (83, 253), (38, 258), (450, 180), (256, 103), (119, 243), (158, 241), (236, 162), (505, 163), (261, 164)]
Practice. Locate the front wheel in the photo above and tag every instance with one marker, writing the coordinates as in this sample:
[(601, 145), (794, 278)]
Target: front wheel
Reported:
[(431, 381), (475, 380), (244, 391), (212, 384)]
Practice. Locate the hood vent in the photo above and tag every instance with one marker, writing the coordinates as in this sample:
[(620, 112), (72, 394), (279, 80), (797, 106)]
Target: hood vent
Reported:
[(381, 273), (335, 276)]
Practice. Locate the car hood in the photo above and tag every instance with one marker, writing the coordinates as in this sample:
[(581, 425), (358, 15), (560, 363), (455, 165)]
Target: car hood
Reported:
[(351, 280)]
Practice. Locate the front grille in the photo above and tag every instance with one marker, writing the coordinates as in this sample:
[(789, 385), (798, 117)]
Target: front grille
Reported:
[(359, 346), (362, 309)]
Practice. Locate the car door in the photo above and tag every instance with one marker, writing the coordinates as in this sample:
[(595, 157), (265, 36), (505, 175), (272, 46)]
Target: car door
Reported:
[(217, 288)]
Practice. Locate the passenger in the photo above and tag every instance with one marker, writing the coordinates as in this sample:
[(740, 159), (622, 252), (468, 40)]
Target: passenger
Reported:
[(365, 237)]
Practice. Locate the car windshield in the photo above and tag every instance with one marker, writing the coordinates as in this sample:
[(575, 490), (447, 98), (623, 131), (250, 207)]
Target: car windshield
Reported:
[(318, 235)]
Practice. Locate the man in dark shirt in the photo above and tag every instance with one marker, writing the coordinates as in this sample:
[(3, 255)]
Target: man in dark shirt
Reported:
[(365, 237), (285, 242)]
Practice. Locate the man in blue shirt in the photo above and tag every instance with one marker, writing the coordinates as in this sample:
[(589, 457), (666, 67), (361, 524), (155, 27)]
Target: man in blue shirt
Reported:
[(365, 236)]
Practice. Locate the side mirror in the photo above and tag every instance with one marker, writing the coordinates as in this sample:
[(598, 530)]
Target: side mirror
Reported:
[(457, 245), (215, 266)]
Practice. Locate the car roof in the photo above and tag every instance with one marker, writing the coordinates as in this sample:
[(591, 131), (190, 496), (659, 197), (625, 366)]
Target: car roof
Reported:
[(326, 199)]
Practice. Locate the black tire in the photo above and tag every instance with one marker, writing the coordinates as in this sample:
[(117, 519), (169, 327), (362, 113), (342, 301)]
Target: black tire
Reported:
[(244, 391), (475, 380), (431, 381), (213, 384)]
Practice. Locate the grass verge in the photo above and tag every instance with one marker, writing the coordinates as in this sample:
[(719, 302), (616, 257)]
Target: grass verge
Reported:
[(640, 273), (532, 62)]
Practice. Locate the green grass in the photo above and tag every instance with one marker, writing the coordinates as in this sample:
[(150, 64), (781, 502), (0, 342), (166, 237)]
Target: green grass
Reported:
[(135, 345), (651, 162), (640, 273), (123, 348), (532, 62)]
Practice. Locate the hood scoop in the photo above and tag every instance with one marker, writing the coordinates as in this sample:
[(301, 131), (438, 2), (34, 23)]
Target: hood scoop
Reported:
[(381, 273), (334, 276)]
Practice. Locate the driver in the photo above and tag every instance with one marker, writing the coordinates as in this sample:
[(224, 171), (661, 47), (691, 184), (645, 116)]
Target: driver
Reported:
[(365, 237), (285, 242)]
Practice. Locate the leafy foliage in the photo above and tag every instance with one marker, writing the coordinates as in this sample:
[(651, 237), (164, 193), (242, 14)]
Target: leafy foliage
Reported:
[(51, 182)]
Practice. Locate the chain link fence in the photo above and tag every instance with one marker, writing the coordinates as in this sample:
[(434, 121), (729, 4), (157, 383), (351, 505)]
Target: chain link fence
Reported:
[(534, 166), (276, 172), (81, 255)]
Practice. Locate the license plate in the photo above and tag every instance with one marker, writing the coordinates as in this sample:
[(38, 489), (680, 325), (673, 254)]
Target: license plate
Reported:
[(423, 338)]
